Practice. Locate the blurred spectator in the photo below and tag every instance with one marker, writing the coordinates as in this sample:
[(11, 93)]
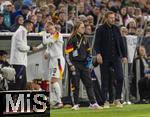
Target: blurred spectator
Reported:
[(88, 30), (28, 3), (123, 15), (144, 82), (118, 4), (131, 25), (61, 6), (62, 21), (115, 5), (90, 21), (52, 8), (17, 4), (95, 13), (132, 41), (88, 6), (110, 5), (71, 16), (124, 33), (3, 59), (81, 9), (139, 32), (118, 20), (71, 19), (7, 11), (1, 6), (83, 18), (131, 11), (33, 19), (45, 11), (147, 6), (23, 11), (3, 28), (147, 32), (39, 25), (58, 27), (47, 19), (138, 12), (104, 2), (18, 21), (41, 3)]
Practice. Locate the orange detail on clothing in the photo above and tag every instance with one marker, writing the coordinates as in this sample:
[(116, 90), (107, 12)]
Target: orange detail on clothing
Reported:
[(69, 49)]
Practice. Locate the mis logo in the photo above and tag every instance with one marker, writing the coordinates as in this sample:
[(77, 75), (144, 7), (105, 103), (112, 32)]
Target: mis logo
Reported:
[(25, 101)]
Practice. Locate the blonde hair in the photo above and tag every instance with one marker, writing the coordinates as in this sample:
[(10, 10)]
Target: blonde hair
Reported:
[(50, 23)]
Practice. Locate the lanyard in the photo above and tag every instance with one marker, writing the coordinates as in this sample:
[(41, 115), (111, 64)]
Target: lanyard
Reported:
[(78, 45)]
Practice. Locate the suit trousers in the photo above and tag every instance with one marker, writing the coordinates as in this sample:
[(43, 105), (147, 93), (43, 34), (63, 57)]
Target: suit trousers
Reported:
[(105, 77)]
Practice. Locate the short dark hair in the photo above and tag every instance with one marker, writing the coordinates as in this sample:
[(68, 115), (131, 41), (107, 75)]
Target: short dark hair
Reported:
[(26, 22)]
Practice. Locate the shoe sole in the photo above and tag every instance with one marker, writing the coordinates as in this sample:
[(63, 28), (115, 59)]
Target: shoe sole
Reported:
[(106, 107), (75, 109)]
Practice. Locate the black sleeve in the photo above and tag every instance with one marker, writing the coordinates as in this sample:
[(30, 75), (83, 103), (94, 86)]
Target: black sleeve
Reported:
[(125, 45), (122, 45), (97, 42)]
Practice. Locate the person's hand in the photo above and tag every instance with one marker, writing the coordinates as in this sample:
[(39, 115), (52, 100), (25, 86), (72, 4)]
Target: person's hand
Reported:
[(99, 58), (148, 75), (72, 68), (124, 60), (46, 55), (34, 49)]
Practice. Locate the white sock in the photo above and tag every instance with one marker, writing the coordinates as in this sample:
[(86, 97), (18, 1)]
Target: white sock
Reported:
[(57, 90)]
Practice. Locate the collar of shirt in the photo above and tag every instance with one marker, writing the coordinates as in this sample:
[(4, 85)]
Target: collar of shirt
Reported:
[(23, 28)]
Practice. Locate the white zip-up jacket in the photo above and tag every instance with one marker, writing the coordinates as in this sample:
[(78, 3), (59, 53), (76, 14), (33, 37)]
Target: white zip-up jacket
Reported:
[(19, 47)]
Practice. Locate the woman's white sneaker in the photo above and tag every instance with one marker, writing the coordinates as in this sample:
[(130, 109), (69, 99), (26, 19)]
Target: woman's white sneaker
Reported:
[(95, 106), (75, 107)]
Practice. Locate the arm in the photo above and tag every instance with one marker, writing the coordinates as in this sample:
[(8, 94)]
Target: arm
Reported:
[(40, 46), (20, 44), (98, 41), (122, 45), (97, 46), (46, 53), (52, 38)]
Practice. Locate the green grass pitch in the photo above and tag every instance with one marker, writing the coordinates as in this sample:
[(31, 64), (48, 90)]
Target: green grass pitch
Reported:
[(133, 110)]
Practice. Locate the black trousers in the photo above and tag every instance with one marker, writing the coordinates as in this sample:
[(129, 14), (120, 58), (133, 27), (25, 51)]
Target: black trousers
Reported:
[(83, 74), (97, 88), (116, 65), (144, 88), (20, 78), (111, 84)]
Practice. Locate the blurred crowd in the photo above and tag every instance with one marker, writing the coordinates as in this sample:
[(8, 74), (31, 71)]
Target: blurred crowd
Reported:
[(133, 15)]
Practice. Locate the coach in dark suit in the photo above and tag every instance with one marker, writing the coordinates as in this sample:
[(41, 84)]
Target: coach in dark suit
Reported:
[(110, 51)]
